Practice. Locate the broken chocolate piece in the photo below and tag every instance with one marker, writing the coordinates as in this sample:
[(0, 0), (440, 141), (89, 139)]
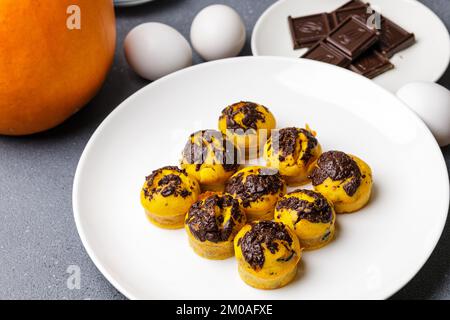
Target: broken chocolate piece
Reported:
[(327, 53), (353, 4), (371, 64), (308, 30), (393, 38), (362, 12), (353, 37)]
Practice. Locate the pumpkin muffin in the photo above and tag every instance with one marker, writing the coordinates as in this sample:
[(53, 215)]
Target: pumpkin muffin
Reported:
[(310, 215), (210, 158), (257, 189), (267, 253), (344, 179), (292, 151), (248, 125), (211, 225), (167, 195)]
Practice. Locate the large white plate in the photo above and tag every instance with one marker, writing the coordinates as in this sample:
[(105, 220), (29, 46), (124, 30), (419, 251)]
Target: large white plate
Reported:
[(427, 60), (377, 250)]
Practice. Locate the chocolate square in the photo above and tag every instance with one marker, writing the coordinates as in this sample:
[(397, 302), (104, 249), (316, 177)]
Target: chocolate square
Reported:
[(353, 37), (393, 38), (308, 30), (371, 64), (327, 53), (353, 4), (360, 12)]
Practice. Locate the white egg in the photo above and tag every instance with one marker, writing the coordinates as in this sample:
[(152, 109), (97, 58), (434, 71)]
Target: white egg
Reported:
[(154, 50), (432, 103), (217, 32)]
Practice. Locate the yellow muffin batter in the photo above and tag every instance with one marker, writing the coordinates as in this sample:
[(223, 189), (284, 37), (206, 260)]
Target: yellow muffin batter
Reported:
[(310, 215), (267, 253), (208, 194), (257, 189), (211, 225), (344, 179), (210, 158), (292, 151), (248, 125), (167, 195)]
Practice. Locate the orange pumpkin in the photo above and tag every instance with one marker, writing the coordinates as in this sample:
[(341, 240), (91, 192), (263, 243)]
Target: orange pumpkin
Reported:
[(49, 68)]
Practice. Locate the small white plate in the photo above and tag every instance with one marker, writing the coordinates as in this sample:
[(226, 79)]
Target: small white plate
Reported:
[(427, 60), (377, 250)]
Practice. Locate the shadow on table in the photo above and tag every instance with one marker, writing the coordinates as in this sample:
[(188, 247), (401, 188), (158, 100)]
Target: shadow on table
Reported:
[(445, 79)]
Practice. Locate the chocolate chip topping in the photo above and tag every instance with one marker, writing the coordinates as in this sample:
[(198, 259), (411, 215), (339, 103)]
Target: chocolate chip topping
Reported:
[(197, 148), (287, 141), (337, 166), (264, 232), (152, 177), (318, 211), (203, 223), (251, 116), (168, 185), (263, 182)]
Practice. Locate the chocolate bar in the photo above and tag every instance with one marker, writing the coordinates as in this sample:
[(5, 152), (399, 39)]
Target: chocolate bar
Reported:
[(345, 38), (371, 64), (327, 53), (308, 30), (353, 4), (393, 38), (352, 37)]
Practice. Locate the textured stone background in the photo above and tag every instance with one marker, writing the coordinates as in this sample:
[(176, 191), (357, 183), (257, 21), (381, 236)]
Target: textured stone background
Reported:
[(38, 238)]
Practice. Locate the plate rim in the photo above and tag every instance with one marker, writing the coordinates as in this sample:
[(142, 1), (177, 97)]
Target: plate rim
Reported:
[(267, 12), (126, 103)]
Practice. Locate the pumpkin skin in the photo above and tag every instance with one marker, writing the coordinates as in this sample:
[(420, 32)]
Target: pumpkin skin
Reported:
[(47, 71)]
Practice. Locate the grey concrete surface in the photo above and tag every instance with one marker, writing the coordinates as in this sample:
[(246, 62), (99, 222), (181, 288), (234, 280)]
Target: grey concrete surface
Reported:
[(38, 238)]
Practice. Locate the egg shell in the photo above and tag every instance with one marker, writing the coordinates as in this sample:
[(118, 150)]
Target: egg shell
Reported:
[(154, 50), (431, 102), (218, 32)]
